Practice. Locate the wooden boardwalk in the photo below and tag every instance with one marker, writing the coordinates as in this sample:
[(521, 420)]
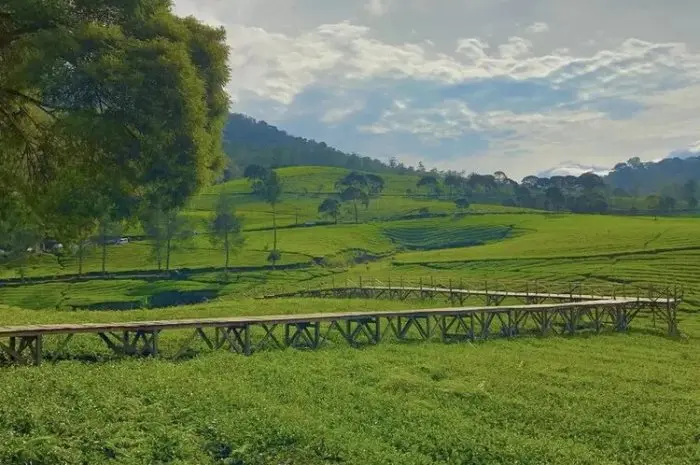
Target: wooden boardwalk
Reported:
[(245, 335), (460, 295)]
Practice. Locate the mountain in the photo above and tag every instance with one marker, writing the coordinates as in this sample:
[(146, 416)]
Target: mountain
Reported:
[(248, 141)]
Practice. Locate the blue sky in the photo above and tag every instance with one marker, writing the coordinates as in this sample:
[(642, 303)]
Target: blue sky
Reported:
[(483, 85)]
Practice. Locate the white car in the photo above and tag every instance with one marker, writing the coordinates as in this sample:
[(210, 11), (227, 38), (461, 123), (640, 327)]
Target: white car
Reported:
[(123, 240)]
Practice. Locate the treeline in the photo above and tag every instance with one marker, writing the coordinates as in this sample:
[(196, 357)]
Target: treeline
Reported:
[(587, 193), (663, 178)]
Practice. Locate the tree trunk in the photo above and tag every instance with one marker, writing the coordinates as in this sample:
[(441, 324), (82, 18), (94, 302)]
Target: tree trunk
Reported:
[(355, 205), (226, 252), (274, 227), (167, 255), (104, 249), (81, 248)]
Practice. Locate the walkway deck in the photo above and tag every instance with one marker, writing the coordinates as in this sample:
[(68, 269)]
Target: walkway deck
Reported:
[(24, 344)]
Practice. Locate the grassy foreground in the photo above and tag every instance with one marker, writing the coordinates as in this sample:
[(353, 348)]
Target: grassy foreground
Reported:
[(611, 399)]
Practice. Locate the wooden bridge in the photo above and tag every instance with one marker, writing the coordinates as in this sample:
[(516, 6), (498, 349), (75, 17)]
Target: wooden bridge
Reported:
[(489, 293), (246, 335)]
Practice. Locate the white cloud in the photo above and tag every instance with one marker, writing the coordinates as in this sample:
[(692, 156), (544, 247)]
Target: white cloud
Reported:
[(537, 28), (616, 96), (377, 7)]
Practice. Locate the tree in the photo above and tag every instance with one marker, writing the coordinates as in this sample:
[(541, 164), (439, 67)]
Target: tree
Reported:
[(20, 229), (453, 182), (429, 181), (126, 89), (690, 189), (590, 181), (355, 195), (330, 207), (166, 229), (524, 197), (357, 188), (268, 186), (462, 203), (555, 197), (225, 227), (254, 172), (108, 230), (530, 182), (375, 184), (667, 204)]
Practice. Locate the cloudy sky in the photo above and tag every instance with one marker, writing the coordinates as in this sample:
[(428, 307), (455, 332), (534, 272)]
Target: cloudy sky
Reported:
[(477, 85)]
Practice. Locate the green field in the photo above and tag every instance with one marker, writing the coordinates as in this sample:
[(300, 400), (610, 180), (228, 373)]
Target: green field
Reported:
[(612, 399)]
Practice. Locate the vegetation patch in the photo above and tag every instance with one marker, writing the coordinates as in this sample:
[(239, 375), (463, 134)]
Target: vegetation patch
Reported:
[(431, 235)]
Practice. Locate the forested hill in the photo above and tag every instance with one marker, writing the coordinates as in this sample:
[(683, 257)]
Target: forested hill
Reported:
[(665, 176), (248, 141)]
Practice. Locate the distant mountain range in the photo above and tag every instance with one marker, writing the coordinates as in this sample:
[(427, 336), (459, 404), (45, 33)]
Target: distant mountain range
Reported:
[(249, 141)]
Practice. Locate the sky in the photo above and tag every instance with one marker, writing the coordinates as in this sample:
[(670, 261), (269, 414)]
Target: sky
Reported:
[(522, 86)]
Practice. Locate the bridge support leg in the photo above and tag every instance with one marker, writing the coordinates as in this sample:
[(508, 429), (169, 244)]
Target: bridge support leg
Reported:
[(455, 328), (571, 319), (484, 321), (508, 328), (23, 350), (237, 338), (622, 316), (357, 331), (544, 320), (669, 313), (303, 335), (132, 342), (421, 323)]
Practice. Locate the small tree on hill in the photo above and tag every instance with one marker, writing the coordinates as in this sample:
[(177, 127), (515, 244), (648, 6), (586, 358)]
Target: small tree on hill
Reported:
[(269, 188), (165, 229), (225, 227), (428, 181), (462, 203), (453, 183), (330, 207), (356, 196), (357, 188), (375, 184)]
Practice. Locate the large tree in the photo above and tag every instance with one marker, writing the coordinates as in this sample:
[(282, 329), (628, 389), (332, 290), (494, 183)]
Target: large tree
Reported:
[(122, 87)]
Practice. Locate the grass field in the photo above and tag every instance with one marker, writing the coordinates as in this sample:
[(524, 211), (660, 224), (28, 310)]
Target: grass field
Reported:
[(613, 399)]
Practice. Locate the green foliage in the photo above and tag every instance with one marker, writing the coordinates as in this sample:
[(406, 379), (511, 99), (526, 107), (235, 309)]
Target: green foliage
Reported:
[(501, 402), (225, 227), (248, 141), (83, 90), (330, 207), (462, 203), (167, 230)]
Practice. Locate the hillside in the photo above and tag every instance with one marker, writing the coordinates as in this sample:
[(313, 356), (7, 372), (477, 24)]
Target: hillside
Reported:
[(665, 176), (499, 401), (248, 141)]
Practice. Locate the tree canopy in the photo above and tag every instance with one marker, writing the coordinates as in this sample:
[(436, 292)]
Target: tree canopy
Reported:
[(120, 92)]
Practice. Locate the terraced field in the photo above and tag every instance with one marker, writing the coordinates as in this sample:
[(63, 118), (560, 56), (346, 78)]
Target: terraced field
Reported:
[(445, 234)]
